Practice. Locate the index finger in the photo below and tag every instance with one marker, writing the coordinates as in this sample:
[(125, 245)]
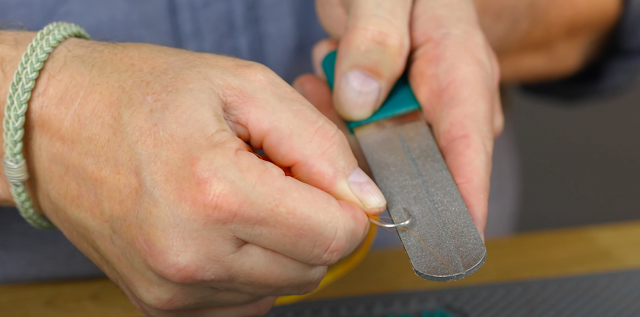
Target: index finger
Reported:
[(454, 77), (294, 134), (290, 217)]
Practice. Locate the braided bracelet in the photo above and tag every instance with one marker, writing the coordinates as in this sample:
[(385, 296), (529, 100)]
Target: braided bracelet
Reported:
[(15, 167)]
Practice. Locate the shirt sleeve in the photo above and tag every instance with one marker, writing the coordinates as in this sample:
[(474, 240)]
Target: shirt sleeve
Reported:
[(615, 70)]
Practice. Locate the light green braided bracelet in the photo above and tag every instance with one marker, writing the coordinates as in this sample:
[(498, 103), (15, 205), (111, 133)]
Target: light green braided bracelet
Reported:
[(15, 168)]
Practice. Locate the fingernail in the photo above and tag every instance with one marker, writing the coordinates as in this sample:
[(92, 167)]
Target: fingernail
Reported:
[(366, 190), (482, 237), (358, 94)]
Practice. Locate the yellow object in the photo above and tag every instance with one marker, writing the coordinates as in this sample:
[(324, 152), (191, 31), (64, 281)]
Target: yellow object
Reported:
[(337, 270)]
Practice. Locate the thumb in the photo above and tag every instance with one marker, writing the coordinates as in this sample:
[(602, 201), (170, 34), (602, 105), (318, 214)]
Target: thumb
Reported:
[(372, 55), (272, 116), (317, 92)]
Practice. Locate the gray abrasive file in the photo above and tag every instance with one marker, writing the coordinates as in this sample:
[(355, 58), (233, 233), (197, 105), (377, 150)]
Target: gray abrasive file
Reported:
[(432, 220)]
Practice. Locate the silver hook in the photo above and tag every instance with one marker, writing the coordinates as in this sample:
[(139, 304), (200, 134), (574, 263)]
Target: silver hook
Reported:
[(393, 225)]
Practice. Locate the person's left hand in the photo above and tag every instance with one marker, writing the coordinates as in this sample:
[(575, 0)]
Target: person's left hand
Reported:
[(452, 70), (140, 155)]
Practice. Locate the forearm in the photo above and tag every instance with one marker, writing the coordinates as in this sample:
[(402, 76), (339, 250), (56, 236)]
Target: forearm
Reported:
[(538, 40), (12, 46)]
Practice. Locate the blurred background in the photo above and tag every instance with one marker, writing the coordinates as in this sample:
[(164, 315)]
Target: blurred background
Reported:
[(579, 161)]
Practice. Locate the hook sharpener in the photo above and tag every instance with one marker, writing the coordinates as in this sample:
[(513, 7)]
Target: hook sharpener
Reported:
[(441, 239)]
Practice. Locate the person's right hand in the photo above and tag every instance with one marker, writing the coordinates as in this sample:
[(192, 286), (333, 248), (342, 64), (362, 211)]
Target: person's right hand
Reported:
[(137, 153), (451, 68)]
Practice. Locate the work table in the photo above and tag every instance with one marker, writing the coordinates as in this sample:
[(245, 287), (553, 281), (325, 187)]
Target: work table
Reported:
[(534, 255)]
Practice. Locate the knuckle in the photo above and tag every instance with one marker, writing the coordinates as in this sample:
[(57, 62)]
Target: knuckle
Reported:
[(330, 137), (214, 196), (139, 305), (259, 308), (313, 281), (177, 267), (333, 149), (184, 264), (256, 73), (384, 35), (297, 285), (154, 297), (331, 249), (459, 139), (215, 202), (160, 304)]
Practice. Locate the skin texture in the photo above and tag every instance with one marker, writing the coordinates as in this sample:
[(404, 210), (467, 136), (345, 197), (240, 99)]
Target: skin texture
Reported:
[(137, 153)]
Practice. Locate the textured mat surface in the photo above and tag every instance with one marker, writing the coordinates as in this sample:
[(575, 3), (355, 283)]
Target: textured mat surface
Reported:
[(610, 294)]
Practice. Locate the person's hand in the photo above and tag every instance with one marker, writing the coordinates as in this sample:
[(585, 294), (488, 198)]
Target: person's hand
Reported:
[(542, 40), (137, 153), (452, 70)]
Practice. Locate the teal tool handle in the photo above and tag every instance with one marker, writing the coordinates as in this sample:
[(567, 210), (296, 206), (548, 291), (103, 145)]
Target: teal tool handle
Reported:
[(400, 100)]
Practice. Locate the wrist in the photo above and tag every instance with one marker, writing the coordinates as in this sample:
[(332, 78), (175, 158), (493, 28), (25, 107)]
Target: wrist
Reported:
[(12, 45)]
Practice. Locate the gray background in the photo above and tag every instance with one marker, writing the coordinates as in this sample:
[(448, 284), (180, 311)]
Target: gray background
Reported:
[(580, 162)]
